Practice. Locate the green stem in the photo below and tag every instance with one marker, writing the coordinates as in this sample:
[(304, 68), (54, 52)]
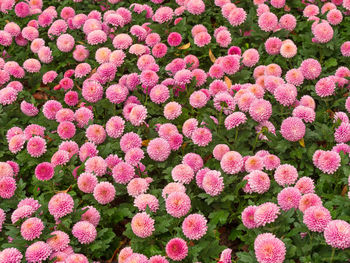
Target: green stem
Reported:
[(256, 140), (236, 135), (333, 252), (220, 116), (146, 99)]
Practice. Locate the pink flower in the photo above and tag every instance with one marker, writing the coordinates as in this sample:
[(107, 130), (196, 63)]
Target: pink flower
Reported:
[(202, 39), (325, 87), (201, 136), (87, 182), (213, 183), (237, 16), (289, 198), (334, 17), (159, 94), (96, 134), (337, 234), (85, 232), (268, 21), (220, 150), (174, 39), (44, 171), (225, 256), (248, 217), (124, 254), (158, 149), (198, 99), (91, 215), (104, 193), (130, 140), (288, 22), (7, 187), (134, 156), (288, 49), (250, 57), (309, 200), (178, 204), (182, 173), (258, 181), (194, 226), (163, 14), (316, 218), (96, 37), (293, 129), (65, 43), (176, 249), (38, 252), (305, 185), (61, 205), (323, 32), (10, 255), (29, 109), (172, 188), (286, 174), (142, 225), (137, 186), (231, 162), (345, 49), (32, 228), (342, 133), (329, 162), (143, 201), (273, 45), (138, 115), (269, 249), (123, 173), (266, 213), (158, 259), (311, 68), (76, 257), (66, 130), (6, 170), (59, 241)]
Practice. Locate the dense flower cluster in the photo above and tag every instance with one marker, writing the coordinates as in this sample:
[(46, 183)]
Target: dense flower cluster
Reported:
[(148, 131)]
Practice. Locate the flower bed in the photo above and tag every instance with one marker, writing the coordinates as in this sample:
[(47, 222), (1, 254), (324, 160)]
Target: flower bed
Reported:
[(174, 131)]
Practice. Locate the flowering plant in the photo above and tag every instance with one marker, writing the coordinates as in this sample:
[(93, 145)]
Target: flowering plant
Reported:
[(174, 131)]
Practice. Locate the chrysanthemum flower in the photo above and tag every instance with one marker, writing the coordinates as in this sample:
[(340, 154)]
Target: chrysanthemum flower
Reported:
[(266, 213), (182, 173), (38, 252), (231, 162), (309, 200), (289, 198), (178, 204), (316, 218), (142, 225), (269, 249), (337, 234), (248, 217), (176, 249), (158, 149), (194, 226), (59, 240), (104, 193), (10, 255), (85, 232), (213, 183), (258, 181)]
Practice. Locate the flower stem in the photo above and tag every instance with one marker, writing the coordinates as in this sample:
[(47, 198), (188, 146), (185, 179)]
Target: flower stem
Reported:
[(333, 252)]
